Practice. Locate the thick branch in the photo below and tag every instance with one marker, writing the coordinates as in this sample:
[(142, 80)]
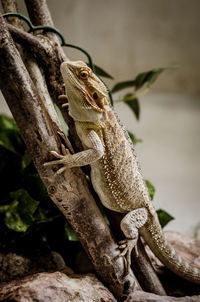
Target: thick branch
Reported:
[(72, 196), (42, 49), (27, 40), (39, 12), (40, 15), (10, 6), (145, 272)]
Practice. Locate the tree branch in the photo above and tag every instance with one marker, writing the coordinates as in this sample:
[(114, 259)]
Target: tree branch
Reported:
[(10, 6), (27, 40), (40, 15), (145, 272), (72, 196)]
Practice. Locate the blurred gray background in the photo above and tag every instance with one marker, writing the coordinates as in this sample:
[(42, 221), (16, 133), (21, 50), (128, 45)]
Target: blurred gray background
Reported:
[(131, 36)]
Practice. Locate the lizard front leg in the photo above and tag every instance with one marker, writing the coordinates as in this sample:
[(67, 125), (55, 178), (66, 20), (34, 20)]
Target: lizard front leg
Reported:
[(129, 226), (94, 152)]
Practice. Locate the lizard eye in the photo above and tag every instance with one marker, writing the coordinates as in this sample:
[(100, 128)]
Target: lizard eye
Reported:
[(84, 75)]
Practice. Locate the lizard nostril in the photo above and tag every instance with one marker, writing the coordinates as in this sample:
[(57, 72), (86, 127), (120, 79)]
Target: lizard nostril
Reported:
[(95, 95)]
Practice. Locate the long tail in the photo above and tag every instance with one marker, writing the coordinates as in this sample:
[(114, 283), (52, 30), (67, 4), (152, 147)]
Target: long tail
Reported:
[(152, 234)]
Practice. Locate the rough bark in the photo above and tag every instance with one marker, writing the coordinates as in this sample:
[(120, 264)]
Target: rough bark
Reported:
[(43, 17), (38, 125), (10, 6), (145, 272), (140, 296)]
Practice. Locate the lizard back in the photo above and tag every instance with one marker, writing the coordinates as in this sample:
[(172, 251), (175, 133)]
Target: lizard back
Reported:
[(116, 176)]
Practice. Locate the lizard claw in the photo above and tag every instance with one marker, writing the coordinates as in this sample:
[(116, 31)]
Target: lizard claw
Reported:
[(65, 105), (65, 151), (60, 159), (127, 245), (122, 246), (56, 154), (61, 170), (124, 252), (62, 97)]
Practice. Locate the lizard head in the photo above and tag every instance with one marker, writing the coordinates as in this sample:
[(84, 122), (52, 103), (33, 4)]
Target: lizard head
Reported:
[(86, 93)]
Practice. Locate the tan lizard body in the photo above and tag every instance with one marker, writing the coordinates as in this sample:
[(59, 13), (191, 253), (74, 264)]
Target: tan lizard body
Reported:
[(114, 169)]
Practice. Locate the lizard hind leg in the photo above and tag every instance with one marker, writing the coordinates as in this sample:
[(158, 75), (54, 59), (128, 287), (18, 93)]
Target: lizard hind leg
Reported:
[(129, 226)]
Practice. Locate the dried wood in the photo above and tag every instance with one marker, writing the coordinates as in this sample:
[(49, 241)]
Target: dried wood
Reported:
[(69, 192)]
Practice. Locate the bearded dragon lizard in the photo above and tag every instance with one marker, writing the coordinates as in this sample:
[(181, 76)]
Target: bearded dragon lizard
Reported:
[(115, 174)]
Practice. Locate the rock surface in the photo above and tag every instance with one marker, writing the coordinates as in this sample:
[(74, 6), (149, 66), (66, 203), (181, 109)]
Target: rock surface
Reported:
[(56, 287), (186, 246), (189, 249), (13, 266)]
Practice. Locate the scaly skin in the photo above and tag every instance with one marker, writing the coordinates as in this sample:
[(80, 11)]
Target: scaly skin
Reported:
[(115, 174)]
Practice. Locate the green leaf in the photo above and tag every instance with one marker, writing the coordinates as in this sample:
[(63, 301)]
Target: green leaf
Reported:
[(26, 159), (134, 139), (131, 100), (5, 141), (88, 178), (123, 85), (71, 235), (7, 123), (42, 216), (34, 185), (20, 213), (164, 217), (101, 72), (13, 220), (147, 77), (151, 188), (27, 205), (10, 138)]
